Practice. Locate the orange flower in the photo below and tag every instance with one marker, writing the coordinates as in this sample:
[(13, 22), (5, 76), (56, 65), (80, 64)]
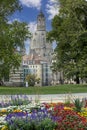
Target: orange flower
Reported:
[(67, 108)]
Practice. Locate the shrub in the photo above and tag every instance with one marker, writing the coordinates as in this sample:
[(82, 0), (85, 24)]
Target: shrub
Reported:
[(78, 105)]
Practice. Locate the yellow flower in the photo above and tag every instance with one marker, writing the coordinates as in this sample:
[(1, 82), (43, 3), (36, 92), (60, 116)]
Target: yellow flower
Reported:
[(84, 112), (4, 128), (3, 110), (18, 110)]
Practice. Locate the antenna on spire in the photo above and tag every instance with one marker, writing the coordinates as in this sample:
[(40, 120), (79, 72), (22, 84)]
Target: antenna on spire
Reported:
[(40, 8), (41, 13)]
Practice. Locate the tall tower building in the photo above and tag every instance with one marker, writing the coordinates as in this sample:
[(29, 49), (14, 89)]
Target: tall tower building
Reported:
[(39, 44)]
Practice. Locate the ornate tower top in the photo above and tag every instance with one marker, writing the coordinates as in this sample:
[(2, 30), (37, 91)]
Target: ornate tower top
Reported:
[(41, 21), (40, 14)]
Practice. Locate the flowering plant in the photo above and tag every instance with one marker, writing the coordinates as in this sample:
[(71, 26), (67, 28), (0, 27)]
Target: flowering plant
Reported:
[(69, 120), (37, 120), (44, 116)]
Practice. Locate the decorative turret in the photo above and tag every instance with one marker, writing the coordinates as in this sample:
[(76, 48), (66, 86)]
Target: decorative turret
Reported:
[(41, 22)]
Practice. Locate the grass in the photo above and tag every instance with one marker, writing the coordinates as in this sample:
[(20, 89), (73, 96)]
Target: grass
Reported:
[(60, 89)]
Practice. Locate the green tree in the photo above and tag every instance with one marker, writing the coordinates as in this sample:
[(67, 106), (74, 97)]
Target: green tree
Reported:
[(69, 29), (12, 36), (32, 79)]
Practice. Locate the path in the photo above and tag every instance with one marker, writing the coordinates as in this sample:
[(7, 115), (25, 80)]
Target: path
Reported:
[(49, 97)]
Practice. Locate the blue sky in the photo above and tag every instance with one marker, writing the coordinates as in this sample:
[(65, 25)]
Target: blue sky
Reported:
[(30, 11)]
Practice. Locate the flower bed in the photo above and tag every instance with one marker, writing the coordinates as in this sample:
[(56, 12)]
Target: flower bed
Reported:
[(44, 116)]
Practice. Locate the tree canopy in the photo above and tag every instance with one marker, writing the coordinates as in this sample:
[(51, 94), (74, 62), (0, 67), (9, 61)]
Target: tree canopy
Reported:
[(12, 36), (69, 29)]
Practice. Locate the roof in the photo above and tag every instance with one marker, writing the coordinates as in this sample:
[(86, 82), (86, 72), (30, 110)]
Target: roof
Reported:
[(34, 58)]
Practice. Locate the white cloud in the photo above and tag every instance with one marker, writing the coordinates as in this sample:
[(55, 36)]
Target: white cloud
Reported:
[(32, 26), (52, 8), (16, 19), (27, 45), (32, 3), (54, 44)]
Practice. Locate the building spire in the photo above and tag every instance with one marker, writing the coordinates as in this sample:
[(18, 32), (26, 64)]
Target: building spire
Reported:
[(40, 21), (41, 13), (40, 9)]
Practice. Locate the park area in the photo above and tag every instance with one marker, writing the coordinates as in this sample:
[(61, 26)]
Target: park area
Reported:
[(33, 54), (22, 113)]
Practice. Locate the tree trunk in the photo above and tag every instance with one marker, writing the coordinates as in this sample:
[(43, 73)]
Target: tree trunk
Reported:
[(77, 79)]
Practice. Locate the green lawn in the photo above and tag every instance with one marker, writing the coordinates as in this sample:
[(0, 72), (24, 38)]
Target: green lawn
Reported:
[(60, 89)]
